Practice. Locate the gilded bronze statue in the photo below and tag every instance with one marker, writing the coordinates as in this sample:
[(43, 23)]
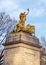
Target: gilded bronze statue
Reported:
[(20, 26)]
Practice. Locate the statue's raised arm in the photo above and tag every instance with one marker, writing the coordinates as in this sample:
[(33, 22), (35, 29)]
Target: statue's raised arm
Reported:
[(27, 11), (23, 16)]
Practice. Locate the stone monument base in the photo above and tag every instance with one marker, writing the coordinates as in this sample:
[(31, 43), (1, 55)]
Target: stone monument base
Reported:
[(22, 49)]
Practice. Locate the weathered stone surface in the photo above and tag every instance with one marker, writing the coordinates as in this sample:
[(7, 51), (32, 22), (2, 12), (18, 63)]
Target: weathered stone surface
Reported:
[(22, 54), (43, 57), (22, 37), (22, 49)]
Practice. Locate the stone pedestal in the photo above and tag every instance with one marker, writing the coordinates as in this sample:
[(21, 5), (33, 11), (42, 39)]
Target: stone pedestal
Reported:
[(22, 49)]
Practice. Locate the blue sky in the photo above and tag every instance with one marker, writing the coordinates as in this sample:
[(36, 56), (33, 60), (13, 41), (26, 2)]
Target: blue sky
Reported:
[(36, 16)]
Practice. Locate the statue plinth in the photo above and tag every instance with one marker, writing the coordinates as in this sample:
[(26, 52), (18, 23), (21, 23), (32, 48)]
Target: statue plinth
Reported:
[(22, 49), (21, 37)]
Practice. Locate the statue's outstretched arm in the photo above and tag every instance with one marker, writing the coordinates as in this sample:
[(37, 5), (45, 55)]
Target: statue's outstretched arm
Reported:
[(27, 11)]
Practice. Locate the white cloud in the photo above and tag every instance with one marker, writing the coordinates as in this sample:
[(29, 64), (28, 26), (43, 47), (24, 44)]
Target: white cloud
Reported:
[(8, 5), (11, 7)]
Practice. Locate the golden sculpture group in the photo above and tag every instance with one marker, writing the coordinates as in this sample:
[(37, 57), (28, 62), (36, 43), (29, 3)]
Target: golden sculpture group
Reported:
[(20, 26)]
